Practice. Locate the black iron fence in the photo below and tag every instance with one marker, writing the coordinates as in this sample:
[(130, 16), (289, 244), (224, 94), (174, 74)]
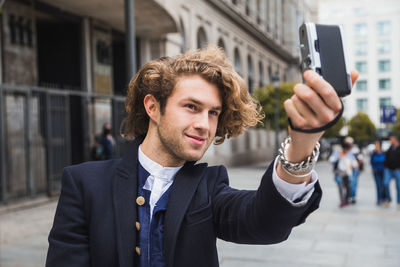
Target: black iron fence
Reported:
[(42, 130)]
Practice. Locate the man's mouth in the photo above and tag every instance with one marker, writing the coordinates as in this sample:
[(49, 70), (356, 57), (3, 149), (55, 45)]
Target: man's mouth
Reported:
[(198, 140)]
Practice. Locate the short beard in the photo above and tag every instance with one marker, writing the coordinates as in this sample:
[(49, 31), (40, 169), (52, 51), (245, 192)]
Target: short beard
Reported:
[(169, 146), (174, 149)]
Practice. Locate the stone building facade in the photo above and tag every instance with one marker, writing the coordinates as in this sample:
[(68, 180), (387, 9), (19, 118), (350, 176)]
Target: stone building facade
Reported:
[(63, 74)]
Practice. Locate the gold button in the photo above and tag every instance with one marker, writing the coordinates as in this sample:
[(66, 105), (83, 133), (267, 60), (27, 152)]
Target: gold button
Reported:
[(140, 201), (138, 250), (138, 226)]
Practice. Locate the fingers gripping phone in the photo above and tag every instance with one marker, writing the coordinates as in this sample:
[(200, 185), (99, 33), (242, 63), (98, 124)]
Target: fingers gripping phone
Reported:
[(322, 50)]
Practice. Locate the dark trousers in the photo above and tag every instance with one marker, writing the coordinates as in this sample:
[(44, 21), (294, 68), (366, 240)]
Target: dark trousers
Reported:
[(344, 189)]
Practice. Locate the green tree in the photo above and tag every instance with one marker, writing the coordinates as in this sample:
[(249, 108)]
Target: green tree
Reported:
[(266, 97), (396, 127), (334, 131), (361, 128)]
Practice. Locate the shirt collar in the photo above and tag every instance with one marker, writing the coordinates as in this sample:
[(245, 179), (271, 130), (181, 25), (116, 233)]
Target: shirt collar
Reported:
[(155, 169)]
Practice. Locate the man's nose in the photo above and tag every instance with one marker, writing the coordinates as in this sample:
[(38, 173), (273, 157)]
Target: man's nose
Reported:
[(202, 121)]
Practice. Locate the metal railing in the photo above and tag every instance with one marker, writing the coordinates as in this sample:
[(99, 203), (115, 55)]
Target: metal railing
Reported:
[(35, 136)]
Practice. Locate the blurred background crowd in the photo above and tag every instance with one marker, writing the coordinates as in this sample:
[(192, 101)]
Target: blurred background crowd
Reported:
[(349, 160)]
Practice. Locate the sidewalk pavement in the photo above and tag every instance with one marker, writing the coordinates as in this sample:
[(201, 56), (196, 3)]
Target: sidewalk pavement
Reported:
[(359, 235)]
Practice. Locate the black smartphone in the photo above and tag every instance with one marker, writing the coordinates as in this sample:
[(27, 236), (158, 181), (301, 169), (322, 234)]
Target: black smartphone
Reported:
[(322, 50)]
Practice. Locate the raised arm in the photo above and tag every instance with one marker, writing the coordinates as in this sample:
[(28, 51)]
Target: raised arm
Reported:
[(257, 217), (313, 105)]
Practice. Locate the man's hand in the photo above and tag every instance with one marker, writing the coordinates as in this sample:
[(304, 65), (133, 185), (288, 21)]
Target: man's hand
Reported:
[(313, 105)]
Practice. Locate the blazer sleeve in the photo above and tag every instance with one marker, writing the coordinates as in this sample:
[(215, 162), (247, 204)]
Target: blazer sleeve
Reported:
[(257, 217), (68, 239)]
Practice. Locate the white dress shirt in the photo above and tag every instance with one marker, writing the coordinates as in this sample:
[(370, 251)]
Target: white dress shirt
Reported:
[(161, 178), (294, 192)]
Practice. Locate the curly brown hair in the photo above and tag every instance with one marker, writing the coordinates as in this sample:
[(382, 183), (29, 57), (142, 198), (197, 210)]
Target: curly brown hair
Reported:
[(159, 77)]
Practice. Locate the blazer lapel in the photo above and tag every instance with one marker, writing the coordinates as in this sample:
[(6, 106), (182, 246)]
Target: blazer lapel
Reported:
[(124, 197), (183, 190)]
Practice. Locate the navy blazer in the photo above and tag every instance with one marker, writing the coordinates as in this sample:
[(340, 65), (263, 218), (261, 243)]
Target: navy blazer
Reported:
[(94, 224)]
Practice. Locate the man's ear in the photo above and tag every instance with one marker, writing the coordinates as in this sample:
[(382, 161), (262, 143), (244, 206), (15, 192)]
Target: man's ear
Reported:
[(152, 107)]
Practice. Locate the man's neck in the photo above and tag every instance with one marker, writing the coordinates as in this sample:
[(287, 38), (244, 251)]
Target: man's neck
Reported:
[(155, 151)]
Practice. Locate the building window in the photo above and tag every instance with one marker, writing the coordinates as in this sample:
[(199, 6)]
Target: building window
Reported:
[(384, 65), (103, 52), (12, 24), (261, 70), (360, 29), (277, 18), (20, 30), (238, 62), (183, 36), (221, 43), (384, 84), (385, 102), (250, 74), (267, 16), (284, 79), (259, 10), (361, 49), (361, 85), (248, 7), (359, 11), (361, 66), (201, 38), (269, 74), (362, 105), (384, 47), (383, 27)]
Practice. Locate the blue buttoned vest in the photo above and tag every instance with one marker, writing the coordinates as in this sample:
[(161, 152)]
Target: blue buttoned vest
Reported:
[(149, 245)]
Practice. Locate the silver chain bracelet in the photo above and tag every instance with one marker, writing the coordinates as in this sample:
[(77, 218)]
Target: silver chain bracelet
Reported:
[(304, 166)]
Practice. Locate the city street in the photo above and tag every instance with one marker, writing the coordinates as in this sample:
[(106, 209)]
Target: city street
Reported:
[(359, 235)]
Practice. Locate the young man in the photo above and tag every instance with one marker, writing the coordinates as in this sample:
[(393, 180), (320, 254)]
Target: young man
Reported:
[(392, 169), (156, 206)]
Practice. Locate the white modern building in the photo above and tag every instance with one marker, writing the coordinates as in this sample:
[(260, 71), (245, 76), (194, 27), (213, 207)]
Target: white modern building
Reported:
[(372, 36)]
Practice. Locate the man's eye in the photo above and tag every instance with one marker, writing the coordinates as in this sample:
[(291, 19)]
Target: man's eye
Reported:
[(214, 113), (190, 106)]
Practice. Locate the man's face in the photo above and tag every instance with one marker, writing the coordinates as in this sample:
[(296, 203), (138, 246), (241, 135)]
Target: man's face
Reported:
[(377, 145), (190, 119), (393, 140)]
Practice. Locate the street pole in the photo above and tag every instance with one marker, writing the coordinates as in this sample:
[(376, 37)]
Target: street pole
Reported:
[(3, 166), (275, 81), (130, 38)]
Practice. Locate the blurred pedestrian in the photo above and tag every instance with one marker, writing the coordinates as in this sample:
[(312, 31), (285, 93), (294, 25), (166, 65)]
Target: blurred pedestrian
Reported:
[(344, 163), (104, 144), (353, 179), (392, 168), (107, 141), (376, 160)]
